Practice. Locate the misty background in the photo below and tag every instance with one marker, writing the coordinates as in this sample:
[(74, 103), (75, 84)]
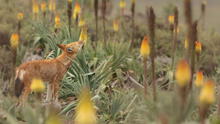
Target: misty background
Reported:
[(212, 10)]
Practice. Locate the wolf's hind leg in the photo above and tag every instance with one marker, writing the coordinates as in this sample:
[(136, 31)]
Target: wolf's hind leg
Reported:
[(23, 98)]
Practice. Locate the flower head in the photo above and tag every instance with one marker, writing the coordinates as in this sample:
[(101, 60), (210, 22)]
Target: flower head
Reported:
[(186, 43), (199, 79), (35, 8), (183, 73), (204, 2), (122, 4), (133, 1), (43, 6), (171, 19), (76, 11), (14, 40), (83, 35), (145, 47), (85, 111), (20, 16), (207, 94), (57, 22), (198, 47), (54, 119), (37, 85), (81, 22), (70, 1), (176, 30), (52, 5), (116, 25)]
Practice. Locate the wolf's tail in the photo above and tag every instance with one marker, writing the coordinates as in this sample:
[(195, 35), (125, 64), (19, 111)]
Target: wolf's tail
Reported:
[(19, 86)]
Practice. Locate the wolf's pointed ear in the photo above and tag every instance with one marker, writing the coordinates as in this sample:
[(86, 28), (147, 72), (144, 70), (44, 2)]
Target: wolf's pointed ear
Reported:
[(81, 42), (61, 46)]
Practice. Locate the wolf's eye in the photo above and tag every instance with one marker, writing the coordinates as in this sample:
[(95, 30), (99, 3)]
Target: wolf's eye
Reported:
[(69, 49)]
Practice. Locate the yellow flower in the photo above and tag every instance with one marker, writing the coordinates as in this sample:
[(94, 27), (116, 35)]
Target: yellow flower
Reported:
[(57, 22), (145, 47), (133, 1), (76, 11), (14, 40), (81, 22), (85, 111), (186, 44), (207, 94), (54, 119), (116, 25), (183, 73), (20, 16), (122, 4), (204, 2), (35, 8), (171, 19), (52, 5), (70, 1), (43, 6), (83, 35), (199, 79), (37, 85), (198, 47), (177, 30)]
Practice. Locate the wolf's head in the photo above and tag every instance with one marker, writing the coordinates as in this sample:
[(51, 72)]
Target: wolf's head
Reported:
[(71, 49)]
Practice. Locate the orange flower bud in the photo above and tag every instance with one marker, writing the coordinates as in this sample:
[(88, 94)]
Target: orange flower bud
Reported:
[(176, 30), (183, 73), (14, 40), (171, 19), (186, 43), (57, 22), (122, 4), (20, 16), (54, 119), (70, 1), (198, 47), (116, 25), (85, 110), (145, 47), (199, 79), (81, 22), (52, 5), (77, 10), (207, 94), (43, 6), (133, 1), (35, 8), (83, 35)]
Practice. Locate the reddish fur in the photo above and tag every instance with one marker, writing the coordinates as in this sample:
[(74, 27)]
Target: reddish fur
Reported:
[(51, 71)]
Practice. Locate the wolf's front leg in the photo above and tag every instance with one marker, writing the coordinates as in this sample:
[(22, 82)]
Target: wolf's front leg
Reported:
[(49, 92), (55, 96), (55, 88), (55, 91)]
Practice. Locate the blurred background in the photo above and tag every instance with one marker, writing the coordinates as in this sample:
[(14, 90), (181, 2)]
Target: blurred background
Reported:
[(160, 6)]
